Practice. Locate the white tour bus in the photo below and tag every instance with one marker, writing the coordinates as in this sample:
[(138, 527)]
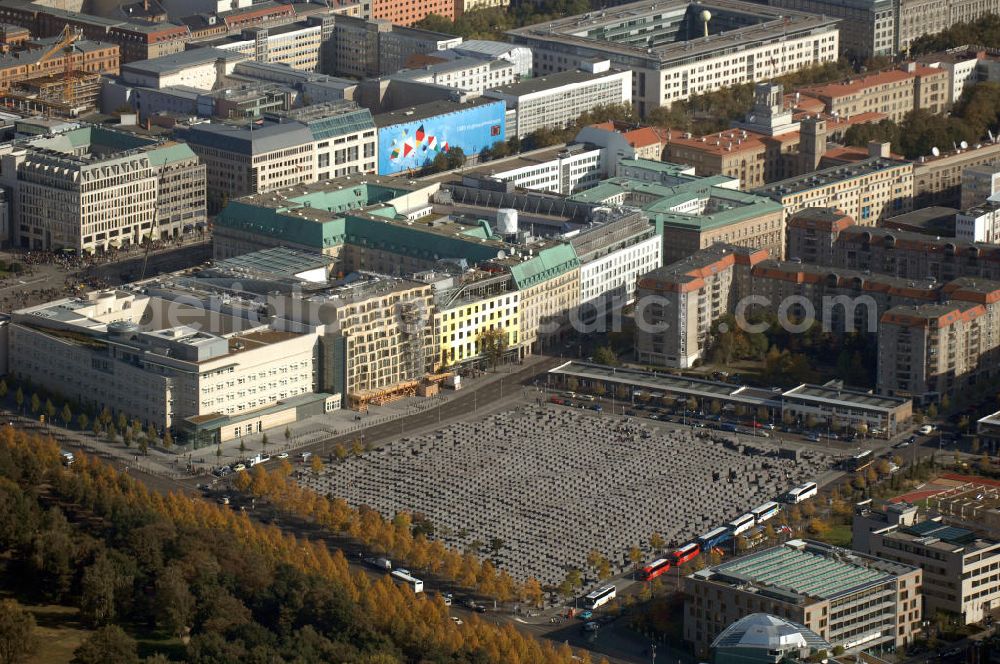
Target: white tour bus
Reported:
[(599, 597), (741, 524), (765, 512), (801, 493), (403, 576)]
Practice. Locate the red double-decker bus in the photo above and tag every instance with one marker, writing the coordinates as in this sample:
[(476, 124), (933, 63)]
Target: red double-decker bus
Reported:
[(654, 569), (685, 553)]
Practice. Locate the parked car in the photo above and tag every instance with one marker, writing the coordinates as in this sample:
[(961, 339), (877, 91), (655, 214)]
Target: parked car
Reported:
[(591, 627), (456, 620), (224, 500), (239, 468), (585, 615), (925, 430), (283, 455)]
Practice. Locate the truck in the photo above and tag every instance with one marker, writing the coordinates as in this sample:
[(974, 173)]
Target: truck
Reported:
[(383, 564)]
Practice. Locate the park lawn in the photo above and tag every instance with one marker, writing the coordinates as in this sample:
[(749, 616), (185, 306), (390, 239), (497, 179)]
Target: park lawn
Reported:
[(59, 633), (838, 535)]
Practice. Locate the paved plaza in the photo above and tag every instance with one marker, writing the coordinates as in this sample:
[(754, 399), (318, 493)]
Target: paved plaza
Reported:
[(553, 483)]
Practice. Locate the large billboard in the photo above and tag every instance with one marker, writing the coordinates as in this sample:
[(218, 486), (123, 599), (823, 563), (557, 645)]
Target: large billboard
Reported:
[(413, 145)]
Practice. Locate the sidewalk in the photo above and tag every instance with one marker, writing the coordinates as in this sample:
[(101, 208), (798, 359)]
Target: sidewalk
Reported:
[(182, 462)]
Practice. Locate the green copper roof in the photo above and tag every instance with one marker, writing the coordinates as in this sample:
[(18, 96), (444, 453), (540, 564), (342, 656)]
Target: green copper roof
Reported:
[(170, 153), (548, 264)]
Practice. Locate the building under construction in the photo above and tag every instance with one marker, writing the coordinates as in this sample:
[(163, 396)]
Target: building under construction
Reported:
[(56, 76)]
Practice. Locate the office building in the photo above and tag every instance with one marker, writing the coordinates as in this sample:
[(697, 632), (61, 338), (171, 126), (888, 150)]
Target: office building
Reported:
[(361, 48), (980, 223), (851, 600), (244, 159), (892, 93), (402, 12), (695, 212), (558, 170), (344, 136), (468, 74), (868, 191), (555, 101), (962, 65), (484, 49), (91, 188), (294, 44), (665, 47), (760, 638), (979, 183), (777, 139), (200, 68), (867, 27), (959, 566), (916, 18)]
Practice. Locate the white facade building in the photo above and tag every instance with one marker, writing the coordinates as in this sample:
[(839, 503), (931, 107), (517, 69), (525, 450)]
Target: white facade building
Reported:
[(979, 224), (616, 274), (483, 49), (979, 183), (469, 74), (570, 170), (556, 100), (199, 68)]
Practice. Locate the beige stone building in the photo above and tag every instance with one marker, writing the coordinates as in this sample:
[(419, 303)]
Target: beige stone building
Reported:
[(852, 600), (888, 92), (938, 180), (959, 566), (91, 188), (868, 191), (244, 159)]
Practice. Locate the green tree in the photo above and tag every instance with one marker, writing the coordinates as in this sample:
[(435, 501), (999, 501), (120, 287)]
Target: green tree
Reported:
[(122, 421), (932, 411), (264, 442), (17, 633), (144, 446), (570, 583), (82, 422), (168, 440), (339, 451), (605, 355), (656, 542), (174, 601), (98, 589), (3, 389), (36, 404), (19, 398), (50, 410), (288, 435), (493, 344), (66, 414), (108, 644)]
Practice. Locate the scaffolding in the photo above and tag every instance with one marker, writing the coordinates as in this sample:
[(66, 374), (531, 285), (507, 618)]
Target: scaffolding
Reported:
[(360, 401), (47, 94)]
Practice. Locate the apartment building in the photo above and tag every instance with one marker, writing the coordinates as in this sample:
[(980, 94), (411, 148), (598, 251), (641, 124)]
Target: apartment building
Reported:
[(671, 57), (850, 599), (344, 136), (812, 234), (557, 100), (928, 351), (91, 188), (469, 306), (678, 303), (869, 190), (244, 159), (962, 65), (960, 568), (558, 170)]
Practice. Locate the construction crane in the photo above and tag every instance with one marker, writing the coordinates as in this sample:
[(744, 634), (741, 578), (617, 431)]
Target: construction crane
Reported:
[(67, 38)]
